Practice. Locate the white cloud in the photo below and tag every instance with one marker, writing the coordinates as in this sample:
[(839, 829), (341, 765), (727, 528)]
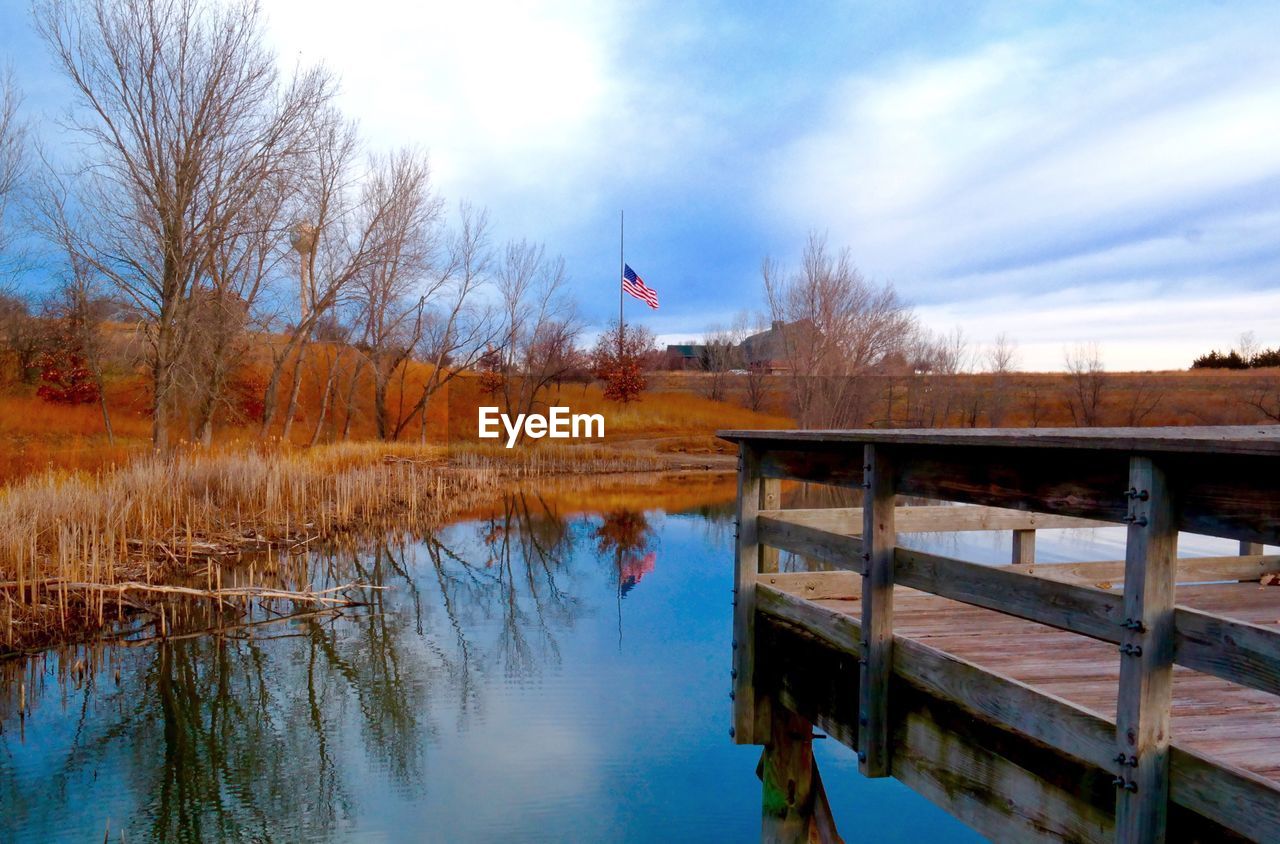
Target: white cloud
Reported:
[(984, 182), (523, 106)]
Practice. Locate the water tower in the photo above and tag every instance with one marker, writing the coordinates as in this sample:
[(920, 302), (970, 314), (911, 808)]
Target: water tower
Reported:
[(303, 239)]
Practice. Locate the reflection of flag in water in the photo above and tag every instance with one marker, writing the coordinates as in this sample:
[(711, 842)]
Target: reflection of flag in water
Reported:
[(634, 569)]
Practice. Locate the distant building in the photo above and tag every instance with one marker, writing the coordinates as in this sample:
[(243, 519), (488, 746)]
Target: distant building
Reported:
[(767, 351), (682, 356), (764, 352)]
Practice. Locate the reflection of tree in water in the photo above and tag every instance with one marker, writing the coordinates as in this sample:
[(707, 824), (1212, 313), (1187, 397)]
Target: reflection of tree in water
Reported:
[(226, 738), (243, 736), (625, 537)]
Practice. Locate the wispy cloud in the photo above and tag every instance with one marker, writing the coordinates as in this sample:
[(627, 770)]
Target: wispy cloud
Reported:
[(1072, 158)]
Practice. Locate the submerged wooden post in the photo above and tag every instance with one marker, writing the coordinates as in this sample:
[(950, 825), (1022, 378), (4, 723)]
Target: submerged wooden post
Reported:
[(1024, 547), (1146, 658), (878, 541), (751, 490), (794, 803)]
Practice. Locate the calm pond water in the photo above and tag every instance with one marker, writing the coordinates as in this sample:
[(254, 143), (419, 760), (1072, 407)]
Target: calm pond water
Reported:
[(534, 674)]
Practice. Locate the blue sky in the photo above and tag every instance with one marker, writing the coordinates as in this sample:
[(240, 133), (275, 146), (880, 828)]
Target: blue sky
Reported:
[(1062, 172)]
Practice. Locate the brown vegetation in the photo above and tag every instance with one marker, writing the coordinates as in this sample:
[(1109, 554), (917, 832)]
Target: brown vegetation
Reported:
[(78, 552)]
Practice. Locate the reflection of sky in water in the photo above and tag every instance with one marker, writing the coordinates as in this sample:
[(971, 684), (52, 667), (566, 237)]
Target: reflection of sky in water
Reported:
[(493, 700)]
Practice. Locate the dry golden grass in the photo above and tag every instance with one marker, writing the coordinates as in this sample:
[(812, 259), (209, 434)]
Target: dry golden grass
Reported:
[(159, 521)]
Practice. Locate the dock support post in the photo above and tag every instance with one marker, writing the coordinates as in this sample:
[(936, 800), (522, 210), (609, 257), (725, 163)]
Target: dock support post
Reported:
[(794, 803), (1024, 547), (1146, 658), (1250, 549), (751, 493), (878, 541)]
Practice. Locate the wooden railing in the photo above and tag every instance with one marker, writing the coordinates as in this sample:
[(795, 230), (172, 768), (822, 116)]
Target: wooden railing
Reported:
[(1151, 631)]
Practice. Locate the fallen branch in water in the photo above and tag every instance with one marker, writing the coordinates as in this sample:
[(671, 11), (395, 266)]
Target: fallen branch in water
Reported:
[(323, 596), (227, 629)]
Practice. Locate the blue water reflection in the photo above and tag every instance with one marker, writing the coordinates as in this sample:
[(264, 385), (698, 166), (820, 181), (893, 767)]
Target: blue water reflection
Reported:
[(527, 676)]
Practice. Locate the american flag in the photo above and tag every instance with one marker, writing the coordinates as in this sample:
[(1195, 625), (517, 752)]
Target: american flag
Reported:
[(635, 286)]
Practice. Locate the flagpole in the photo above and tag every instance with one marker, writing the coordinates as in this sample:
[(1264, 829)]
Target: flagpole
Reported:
[(622, 229)]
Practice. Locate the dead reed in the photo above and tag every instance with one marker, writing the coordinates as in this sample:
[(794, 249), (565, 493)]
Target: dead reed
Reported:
[(79, 552)]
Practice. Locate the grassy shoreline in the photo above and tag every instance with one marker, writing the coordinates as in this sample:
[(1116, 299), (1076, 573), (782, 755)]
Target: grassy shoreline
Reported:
[(80, 552)]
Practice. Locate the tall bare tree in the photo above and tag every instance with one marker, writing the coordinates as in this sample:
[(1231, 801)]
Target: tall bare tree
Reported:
[(341, 226), (237, 271), (833, 325), (183, 117), (456, 330), (392, 292)]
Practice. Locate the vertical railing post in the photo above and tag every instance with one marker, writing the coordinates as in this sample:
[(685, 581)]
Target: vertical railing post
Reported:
[(1146, 657), (770, 499), (746, 572), (1024, 547), (878, 541), (1250, 549)]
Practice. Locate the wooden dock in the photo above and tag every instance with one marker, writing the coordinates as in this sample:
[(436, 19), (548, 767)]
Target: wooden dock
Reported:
[(1134, 700)]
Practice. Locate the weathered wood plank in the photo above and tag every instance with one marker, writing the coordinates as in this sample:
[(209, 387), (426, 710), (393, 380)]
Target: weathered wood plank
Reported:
[(837, 629), (1080, 609), (817, 585), (1233, 495), (1005, 701), (1143, 708), (1239, 800), (992, 795), (814, 543), (1190, 570), (1233, 650), (1024, 547), (746, 571), (879, 538), (930, 518), (1258, 440)]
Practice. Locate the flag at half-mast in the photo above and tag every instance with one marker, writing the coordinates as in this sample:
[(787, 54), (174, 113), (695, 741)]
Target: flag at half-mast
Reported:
[(635, 286)]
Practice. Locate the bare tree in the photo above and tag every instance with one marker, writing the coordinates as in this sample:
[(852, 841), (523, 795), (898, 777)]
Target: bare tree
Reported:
[(1266, 398), (720, 354), (832, 324), (13, 164), (336, 235), (1002, 360), (455, 330), (538, 324), (183, 118), (392, 291), (1086, 384), (1248, 347), (1002, 356), (1145, 395), (237, 271), (19, 335), (81, 302), (756, 381)]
